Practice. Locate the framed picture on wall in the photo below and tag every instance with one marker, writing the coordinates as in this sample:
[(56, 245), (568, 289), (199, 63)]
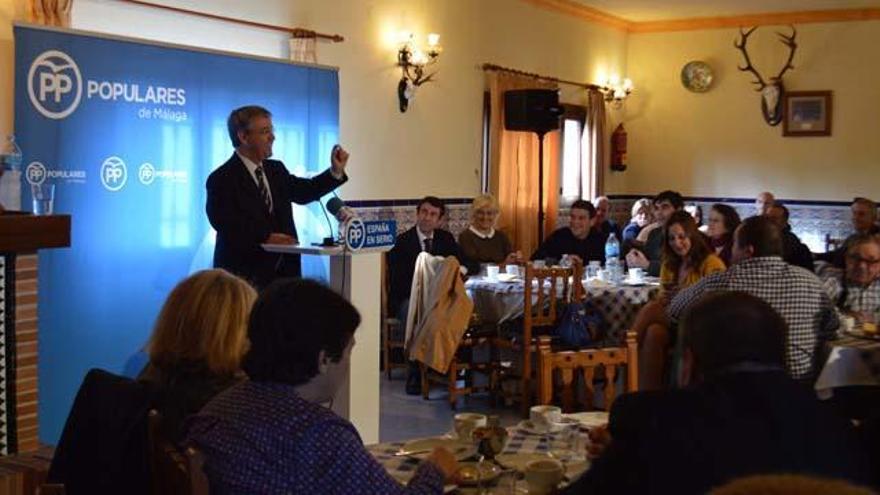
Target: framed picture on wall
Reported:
[(807, 113)]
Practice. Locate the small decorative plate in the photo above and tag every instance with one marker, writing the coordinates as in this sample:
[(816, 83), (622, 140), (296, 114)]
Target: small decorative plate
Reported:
[(697, 76)]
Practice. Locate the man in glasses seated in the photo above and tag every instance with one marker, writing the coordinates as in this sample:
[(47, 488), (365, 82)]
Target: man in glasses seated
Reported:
[(856, 289)]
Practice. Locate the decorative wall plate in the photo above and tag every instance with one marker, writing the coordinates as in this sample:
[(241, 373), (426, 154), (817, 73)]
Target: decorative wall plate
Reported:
[(697, 76)]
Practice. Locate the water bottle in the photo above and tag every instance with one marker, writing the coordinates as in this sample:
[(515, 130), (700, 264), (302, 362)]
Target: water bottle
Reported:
[(10, 154), (612, 258)]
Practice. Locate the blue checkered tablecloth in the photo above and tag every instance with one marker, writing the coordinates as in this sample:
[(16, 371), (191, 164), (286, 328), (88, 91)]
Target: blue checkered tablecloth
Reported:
[(852, 361), (502, 301)]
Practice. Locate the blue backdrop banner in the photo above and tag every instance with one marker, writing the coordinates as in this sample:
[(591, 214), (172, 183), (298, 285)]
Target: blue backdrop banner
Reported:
[(128, 132)]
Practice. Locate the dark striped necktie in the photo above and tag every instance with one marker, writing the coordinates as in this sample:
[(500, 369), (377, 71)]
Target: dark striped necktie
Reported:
[(261, 184)]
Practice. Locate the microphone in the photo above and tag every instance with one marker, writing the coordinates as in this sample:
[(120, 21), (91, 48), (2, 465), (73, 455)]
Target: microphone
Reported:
[(335, 204)]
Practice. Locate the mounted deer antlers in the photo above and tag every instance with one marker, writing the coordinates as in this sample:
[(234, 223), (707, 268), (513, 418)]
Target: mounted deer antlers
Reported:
[(771, 92)]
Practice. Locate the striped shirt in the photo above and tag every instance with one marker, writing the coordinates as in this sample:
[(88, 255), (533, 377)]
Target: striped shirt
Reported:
[(793, 292)]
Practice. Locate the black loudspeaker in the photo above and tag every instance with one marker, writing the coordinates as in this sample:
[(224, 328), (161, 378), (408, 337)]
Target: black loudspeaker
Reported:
[(535, 110)]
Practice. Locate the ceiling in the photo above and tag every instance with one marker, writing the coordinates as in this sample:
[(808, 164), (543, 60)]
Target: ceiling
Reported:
[(658, 10)]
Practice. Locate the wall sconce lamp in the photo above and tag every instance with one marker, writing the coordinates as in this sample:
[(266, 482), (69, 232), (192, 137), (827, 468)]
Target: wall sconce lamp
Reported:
[(616, 91), (412, 62)]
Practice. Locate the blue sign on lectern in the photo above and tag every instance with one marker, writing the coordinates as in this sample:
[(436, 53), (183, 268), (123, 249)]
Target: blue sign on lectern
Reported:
[(360, 234)]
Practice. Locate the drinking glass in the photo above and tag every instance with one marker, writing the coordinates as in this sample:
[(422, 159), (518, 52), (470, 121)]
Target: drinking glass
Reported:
[(44, 198)]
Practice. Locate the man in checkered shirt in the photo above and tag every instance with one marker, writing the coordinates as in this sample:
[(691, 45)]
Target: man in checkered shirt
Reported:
[(757, 268), (856, 290)]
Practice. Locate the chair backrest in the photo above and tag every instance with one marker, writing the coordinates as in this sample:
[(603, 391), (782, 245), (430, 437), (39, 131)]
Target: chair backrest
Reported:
[(610, 359), (103, 447), (173, 471), (545, 288)]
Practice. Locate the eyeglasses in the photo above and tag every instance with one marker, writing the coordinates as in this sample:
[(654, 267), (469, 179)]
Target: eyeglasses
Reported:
[(855, 258)]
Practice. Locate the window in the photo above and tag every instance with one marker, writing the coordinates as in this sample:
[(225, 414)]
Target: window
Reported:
[(577, 175)]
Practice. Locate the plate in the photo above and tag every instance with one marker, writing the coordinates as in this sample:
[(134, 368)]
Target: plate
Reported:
[(472, 473), (519, 461), (508, 277), (459, 449), (590, 419), (697, 76)]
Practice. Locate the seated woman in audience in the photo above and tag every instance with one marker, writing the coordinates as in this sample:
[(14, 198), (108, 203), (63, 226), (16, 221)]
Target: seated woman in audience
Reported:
[(686, 259), (274, 433), (641, 215), (481, 243), (197, 344), (723, 220)]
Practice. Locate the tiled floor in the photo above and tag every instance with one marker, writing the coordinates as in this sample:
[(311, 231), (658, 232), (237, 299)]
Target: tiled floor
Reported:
[(409, 416)]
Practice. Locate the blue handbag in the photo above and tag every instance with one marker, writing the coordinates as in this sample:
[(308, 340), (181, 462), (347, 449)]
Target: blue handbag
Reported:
[(581, 325)]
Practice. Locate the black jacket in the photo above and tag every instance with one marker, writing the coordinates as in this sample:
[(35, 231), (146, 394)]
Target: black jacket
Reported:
[(689, 441), (402, 261), (103, 448), (238, 214)]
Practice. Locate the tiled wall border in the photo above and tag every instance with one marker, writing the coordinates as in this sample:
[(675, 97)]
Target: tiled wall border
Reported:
[(811, 220)]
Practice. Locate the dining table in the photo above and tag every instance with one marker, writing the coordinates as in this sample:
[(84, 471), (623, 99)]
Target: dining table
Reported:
[(497, 300), (524, 444), (853, 360)]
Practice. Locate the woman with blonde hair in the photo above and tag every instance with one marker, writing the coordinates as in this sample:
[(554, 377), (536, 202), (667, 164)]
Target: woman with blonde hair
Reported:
[(197, 345), (481, 243), (642, 215)]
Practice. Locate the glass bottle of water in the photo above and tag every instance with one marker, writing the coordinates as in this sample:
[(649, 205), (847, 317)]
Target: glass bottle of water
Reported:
[(612, 258), (10, 154)]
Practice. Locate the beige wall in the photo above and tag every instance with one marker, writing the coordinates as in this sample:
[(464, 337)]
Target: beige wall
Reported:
[(433, 148), (716, 144)]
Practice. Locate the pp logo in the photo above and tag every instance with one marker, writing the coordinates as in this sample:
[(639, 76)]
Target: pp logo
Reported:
[(35, 173), (54, 84), (113, 173), (355, 234), (147, 174)]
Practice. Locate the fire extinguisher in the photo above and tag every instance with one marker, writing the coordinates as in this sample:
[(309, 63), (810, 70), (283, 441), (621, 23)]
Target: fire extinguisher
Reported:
[(618, 149)]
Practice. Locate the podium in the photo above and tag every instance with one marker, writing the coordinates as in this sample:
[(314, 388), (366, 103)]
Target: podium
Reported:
[(21, 235), (357, 276)]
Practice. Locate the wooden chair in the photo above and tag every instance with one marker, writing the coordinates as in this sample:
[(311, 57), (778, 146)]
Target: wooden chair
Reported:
[(392, 328), (586, 362), (173, 472), (540, 311), (478, 335)]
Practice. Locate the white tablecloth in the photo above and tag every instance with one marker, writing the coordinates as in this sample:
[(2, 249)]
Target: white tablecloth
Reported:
[(852, 361), (502, 301)]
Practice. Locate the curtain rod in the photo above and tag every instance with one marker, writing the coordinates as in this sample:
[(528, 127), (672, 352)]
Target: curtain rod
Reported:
[(295, 32), (498, 68)]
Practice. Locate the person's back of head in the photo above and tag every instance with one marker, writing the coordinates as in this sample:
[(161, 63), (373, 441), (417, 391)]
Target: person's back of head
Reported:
[(788, 484), (203, 321), (757, 236), (296, 327), (725, 331)]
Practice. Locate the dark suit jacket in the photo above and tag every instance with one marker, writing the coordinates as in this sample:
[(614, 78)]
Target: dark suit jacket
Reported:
[(238, 214), (402, 261), (688, 441), (103, 448)]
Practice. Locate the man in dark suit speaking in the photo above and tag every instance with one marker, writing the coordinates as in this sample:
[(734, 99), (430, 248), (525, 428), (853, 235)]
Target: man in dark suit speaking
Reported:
[(249, 200)]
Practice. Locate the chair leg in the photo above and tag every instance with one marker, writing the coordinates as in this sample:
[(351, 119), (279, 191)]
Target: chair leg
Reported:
[(425, 384), (452, 383)]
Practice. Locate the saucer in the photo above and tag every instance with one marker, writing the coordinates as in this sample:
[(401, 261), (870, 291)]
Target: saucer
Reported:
[(589, 419), (473, 474), (527, 426), (519, 461)]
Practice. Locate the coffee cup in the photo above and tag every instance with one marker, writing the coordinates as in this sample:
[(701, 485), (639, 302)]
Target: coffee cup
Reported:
[(538, 264), (465, 423), (492, 272), (847, 322), (636, 274), (512, 269), (545, 417), (543, 475)]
